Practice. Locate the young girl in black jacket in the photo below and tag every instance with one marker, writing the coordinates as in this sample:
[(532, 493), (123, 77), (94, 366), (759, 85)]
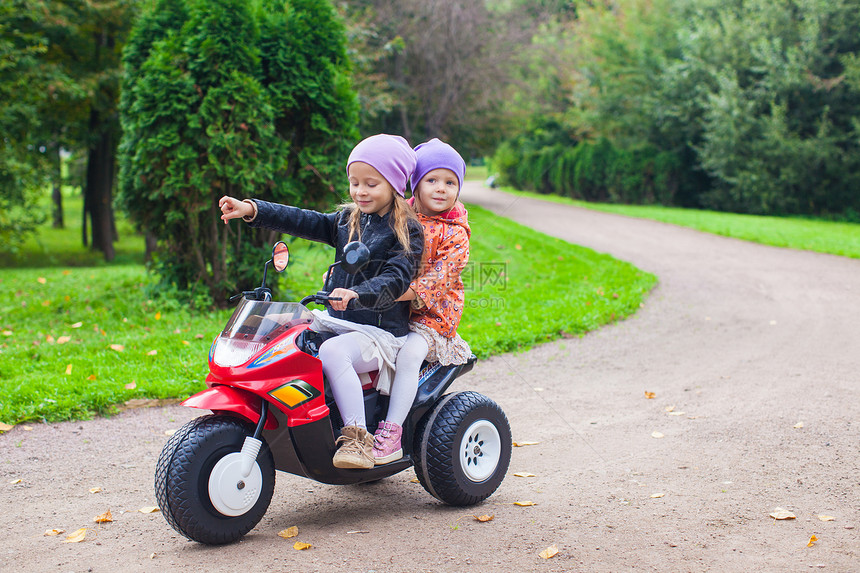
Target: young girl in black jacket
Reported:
[(370, 337)]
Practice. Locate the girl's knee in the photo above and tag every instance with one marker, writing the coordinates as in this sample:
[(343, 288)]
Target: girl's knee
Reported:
[(413, 351), (330, 352)]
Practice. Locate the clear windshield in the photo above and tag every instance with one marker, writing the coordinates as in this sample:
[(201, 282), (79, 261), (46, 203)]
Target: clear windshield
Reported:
[(253, 324)]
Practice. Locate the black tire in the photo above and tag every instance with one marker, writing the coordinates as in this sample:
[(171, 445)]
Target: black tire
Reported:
[(463, 448), (183, 473)]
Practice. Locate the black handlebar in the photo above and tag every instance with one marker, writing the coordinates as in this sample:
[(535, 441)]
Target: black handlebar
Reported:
[(259, 293), (322, 297)]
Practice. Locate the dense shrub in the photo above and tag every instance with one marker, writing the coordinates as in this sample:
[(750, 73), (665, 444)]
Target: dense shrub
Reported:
[(590, 171), (741, 105), (230, 97)]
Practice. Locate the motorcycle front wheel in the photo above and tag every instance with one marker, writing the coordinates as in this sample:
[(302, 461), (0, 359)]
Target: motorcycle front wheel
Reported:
[(200, 486)]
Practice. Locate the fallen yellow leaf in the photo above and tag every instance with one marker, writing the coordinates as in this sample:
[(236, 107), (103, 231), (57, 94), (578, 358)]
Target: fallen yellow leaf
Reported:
[(91, 377), (299, 545), (779, 513), (798, 425), (656, 495), (7, 333), (157, 316), (524, 475), (289, 532), (524, 503), (42, 280), (5, 427), (27, 428), (16, 481), (650, 395), (669, 408), (52, 532), (549, 552), (149, 509), (95, 490), (77, 536), (152, 353), (131, 385), (657, 435), (521, 444), (63, 339), (185, 342), (826, 518), (117, 347), (77, 325), (484, 518), (812, 541), (106, 517), (68, 369), (414, 480)]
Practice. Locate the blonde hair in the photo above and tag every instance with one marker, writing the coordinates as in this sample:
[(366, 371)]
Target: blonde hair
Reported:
[(401, 214)]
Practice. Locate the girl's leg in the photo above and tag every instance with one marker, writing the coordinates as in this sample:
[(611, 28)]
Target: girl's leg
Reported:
[(405, 384), (387, 447), (342, 362)]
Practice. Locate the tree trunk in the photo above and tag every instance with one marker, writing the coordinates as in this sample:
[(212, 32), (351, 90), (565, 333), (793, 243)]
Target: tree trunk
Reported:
[(99, 197), (151, 243), (56, 192)]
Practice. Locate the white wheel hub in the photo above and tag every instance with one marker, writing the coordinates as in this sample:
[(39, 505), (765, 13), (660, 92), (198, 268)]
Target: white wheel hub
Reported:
[(480, 450), (230, 492)]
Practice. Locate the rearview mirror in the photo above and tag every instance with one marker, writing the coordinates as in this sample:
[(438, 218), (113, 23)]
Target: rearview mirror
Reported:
[(280, 256)]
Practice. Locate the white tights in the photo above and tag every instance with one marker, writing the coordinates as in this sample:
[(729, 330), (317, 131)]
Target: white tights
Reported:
[(405, 384), (342, 363)]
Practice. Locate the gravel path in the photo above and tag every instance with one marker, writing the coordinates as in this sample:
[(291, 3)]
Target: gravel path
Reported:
[(755, 350)]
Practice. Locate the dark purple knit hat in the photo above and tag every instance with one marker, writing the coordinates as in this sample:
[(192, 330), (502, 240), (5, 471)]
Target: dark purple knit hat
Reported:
[(388, 154), (436, 154)]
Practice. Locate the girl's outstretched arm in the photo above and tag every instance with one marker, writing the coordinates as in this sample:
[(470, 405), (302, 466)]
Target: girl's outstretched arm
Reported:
[(304, 223)]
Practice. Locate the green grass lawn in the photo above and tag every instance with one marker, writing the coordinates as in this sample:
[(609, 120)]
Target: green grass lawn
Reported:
[(791, 232), (78, 340)]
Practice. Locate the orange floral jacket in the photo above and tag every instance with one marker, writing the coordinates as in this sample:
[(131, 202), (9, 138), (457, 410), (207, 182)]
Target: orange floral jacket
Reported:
[(439, 285)]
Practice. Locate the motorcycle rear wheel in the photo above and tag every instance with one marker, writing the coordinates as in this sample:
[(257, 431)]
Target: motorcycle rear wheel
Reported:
[(190, 482), (462, 448)]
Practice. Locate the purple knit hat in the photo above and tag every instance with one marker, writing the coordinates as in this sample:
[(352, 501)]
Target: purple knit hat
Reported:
[(436, 154), (388, 154)]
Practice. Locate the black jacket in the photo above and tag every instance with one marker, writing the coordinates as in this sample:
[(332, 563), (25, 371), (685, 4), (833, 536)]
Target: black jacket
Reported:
[(385, 278)]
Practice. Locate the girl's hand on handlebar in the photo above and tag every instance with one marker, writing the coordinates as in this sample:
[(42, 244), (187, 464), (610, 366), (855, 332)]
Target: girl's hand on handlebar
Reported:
[(234, 208), (345, 295)]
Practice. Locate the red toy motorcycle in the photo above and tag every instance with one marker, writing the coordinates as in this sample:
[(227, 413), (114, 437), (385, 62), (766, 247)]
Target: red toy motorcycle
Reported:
[(272, 409)]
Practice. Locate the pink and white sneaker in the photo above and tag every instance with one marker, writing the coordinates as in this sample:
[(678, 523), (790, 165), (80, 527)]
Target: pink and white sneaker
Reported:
[(386, 443)]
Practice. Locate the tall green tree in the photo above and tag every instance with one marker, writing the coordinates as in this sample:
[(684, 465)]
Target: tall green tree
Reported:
[(230, 97), (443, 68), (64, 95), (23, 168)]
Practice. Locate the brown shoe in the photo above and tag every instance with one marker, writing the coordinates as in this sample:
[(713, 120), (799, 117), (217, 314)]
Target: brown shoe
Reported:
[(356, 449)]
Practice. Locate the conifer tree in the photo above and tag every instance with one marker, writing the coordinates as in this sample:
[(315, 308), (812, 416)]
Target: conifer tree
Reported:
[(230, 97)]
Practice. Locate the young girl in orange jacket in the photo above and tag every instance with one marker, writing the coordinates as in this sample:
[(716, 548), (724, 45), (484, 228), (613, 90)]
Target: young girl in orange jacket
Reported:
[(437, 295)]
